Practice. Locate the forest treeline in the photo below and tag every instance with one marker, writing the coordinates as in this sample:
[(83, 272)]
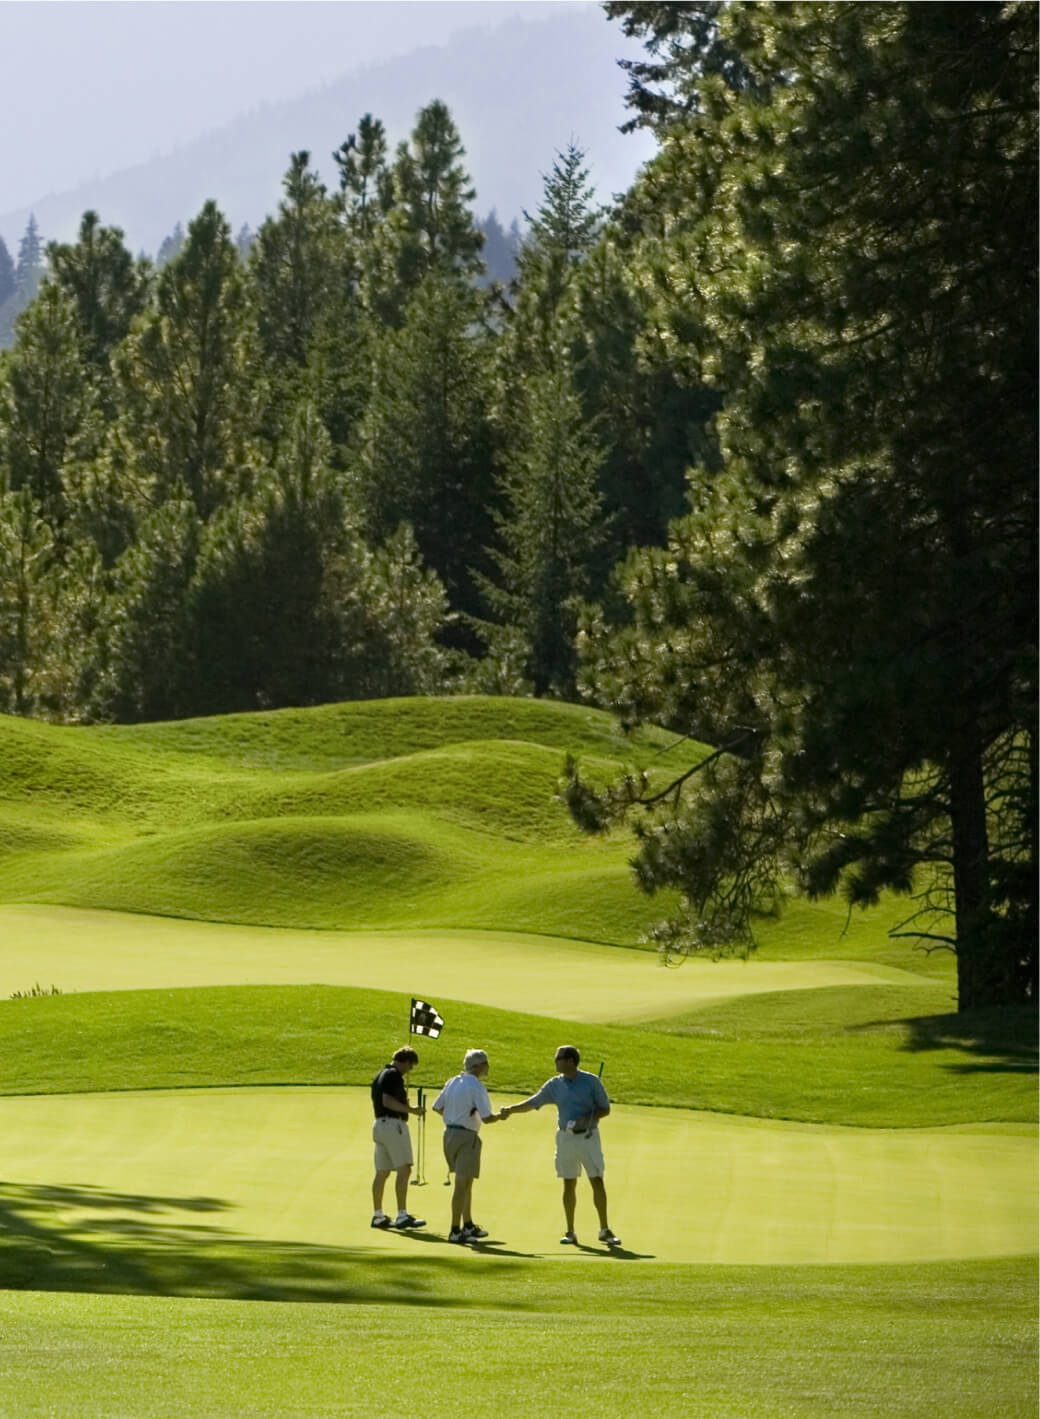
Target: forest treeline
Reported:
[(331, 460), (750, 451)]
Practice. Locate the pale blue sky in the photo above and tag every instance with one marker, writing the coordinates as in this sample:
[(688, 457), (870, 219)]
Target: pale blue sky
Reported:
[(88, 87)]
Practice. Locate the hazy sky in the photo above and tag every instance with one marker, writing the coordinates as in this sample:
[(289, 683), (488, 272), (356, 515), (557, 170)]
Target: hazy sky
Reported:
[(88, 87)]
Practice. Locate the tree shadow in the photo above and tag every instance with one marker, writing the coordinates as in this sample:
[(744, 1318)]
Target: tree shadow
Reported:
[(995, 1041), (128, 1243)]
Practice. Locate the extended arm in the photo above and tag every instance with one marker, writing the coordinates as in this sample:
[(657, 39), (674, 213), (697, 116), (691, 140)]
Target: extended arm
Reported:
[(528, 1104)]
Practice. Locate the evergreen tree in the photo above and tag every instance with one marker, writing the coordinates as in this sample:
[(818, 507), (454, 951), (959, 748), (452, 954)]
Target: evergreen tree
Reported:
[(26, 565), (186, 374), (500, 248), (107, 286), (6, 274), (431, 226), (366, 184), (426, 443), (548, 529), (293, 266), (170, 246), (651, 417), (145, 668), (262, 636), (29, 271), (288, 605), (48, 419), (851, 254)]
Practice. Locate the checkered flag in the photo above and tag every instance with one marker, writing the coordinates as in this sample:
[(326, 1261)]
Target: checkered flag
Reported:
[(425, 1020)]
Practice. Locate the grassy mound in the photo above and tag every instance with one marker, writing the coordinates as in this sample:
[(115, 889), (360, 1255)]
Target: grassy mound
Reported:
[(457, 798), (390, 813), (885, 1076)]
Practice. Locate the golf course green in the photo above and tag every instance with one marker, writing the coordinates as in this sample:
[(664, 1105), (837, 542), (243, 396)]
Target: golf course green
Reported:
[(824, 1179)]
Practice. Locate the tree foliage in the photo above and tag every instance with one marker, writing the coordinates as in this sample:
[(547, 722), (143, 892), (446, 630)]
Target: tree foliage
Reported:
[(855, 241)]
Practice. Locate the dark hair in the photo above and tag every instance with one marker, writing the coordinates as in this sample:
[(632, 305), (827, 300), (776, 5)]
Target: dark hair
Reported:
[(569, 1052), (404, 1054)]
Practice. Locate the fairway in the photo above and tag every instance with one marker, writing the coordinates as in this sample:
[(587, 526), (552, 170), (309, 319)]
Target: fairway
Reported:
[(824, 1180), (81, 950), (131, 1180)]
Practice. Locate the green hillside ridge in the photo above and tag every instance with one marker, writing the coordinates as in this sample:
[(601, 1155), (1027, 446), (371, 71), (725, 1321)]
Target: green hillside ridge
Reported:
[(394, 813), (383, 813), (889, 1071)]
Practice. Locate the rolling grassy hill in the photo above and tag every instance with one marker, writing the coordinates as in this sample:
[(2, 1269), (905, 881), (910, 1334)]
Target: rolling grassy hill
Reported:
[(184, 1120), (381, 814)]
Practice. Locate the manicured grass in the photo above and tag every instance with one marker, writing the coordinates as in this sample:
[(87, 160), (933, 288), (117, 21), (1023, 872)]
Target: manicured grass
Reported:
[(952, 1339), (438, 817), (404, 813), (891, 1076), (265, 1192), (572, 979)]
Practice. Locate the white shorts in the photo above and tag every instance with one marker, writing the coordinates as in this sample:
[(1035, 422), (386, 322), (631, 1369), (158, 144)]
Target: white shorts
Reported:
[(393, 1144), (575, 1151)]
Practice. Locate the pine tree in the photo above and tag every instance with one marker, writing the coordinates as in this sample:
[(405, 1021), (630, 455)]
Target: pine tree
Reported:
[(548, 532), (145, 668), (366, 184), (431, 227), (107, 286), (26, 566), (426, 443), (170, 246), (850, 253), (293, 265), (29, 271), (48, 416), (6, 274), (186, 374)]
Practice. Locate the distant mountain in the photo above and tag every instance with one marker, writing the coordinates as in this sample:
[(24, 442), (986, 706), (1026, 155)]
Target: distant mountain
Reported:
[(519, 92)]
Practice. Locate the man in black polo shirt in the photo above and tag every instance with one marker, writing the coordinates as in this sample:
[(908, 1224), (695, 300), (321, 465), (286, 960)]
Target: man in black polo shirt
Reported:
[(393, 1143)]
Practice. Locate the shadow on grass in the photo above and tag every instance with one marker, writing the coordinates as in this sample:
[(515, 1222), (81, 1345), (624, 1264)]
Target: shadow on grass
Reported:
[(996, 1041), (126, 1243)]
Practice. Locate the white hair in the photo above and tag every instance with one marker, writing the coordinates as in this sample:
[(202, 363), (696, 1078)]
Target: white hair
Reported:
[(474, 1059)]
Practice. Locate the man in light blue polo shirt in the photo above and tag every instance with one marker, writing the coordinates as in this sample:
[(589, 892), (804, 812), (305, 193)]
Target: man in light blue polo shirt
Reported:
[(581, 1101)]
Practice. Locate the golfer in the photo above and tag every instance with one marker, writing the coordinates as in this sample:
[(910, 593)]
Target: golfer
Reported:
[(392, 1139), (581, 1101), (464, 1105)]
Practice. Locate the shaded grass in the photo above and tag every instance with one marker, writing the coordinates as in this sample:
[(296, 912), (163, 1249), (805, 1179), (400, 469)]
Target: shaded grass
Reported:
[(956, 1339), (331, 1035)]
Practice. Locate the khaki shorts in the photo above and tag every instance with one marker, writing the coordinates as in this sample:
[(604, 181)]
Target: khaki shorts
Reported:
[(575, 1151), (462, 1149), (393, 1144)]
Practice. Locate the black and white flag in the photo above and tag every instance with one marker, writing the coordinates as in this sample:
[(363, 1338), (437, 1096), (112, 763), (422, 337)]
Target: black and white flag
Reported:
[(425, 1020)]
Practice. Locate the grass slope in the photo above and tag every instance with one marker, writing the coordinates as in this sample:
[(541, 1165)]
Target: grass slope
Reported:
[(389, 813), (892, 1075), (403, 813)]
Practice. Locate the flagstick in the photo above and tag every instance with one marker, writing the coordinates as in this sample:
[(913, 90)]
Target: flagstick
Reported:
[(420, 1178)]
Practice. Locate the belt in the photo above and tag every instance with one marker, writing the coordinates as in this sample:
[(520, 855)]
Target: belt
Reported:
[(463, 1126)]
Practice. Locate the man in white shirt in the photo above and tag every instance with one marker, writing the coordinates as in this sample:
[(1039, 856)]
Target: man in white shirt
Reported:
[(464, 1105)]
